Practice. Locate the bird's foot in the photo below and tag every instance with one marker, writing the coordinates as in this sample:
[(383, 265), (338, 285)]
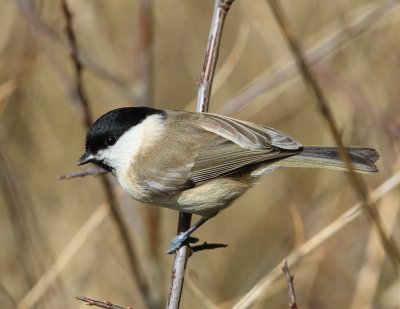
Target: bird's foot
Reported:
[(179, 241)]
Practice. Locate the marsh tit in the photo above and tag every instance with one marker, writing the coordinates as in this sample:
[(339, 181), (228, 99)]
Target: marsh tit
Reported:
[(199, 162)]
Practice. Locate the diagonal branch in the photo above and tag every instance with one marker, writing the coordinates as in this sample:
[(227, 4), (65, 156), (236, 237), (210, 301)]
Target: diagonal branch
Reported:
[(78, 66), (356, 182), (83, 102), (101, 304), (317, 52)]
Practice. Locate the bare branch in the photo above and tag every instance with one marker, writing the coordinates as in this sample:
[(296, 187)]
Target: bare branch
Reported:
[(91, 171), (84, 103), (230, 63), (131, 254), (99, 303), (289, 279), (221, 8)]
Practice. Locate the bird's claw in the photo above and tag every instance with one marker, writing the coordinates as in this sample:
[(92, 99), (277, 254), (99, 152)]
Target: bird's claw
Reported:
[(180, 241)]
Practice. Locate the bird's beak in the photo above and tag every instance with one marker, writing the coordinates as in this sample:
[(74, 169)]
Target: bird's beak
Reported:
[(86, 158)]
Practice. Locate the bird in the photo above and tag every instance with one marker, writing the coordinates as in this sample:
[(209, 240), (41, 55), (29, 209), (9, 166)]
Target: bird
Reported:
[(199, 163)]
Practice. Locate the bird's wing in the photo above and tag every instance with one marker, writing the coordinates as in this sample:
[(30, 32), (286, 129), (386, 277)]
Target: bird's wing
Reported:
[(218, 146), (246, 134)]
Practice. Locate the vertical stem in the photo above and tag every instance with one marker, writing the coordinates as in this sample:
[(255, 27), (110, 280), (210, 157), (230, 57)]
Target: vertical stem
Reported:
[(87, 118), (179, 266), (289, 280), (221, 8)]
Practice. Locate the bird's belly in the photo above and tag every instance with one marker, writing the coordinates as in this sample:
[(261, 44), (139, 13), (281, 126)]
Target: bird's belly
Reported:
[(206, 198)]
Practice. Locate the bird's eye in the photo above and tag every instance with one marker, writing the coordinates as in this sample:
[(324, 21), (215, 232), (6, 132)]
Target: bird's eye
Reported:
[(111, 140)]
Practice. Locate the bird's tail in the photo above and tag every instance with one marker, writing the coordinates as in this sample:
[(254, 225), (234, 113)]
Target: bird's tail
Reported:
[(362, 159)]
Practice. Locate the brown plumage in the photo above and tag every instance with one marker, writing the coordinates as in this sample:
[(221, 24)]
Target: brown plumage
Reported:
[(199, 162)]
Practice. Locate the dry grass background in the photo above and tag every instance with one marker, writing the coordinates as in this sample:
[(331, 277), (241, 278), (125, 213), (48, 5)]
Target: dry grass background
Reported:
[(42, 136)]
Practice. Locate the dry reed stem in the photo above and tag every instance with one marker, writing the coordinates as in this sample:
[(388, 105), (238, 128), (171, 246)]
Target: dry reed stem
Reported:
[(63, 259), (355, 180), (258, 290), (221, 8), (370, 272), (314, 54)]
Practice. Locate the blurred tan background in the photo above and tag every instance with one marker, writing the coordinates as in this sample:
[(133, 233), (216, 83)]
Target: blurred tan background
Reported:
[(42, 136)]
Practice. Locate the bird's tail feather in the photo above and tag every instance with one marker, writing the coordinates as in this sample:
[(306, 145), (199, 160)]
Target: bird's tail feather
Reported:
[(362, 159)]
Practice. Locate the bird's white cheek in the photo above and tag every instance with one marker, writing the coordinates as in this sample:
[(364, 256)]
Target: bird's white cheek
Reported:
[(124, 152), (118, 158)]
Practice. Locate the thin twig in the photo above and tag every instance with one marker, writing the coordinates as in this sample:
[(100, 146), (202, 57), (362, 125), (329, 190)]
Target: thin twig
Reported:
[(91, 171), (289, 280), (356, 182), (76, 61), (314, 242), (98, 303), (221, 8), (135, 268)]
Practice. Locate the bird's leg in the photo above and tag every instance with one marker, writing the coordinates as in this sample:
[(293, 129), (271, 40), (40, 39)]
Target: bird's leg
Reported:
[(184, 237)]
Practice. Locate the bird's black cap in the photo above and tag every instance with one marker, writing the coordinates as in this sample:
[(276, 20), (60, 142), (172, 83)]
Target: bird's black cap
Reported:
[(109, 128)]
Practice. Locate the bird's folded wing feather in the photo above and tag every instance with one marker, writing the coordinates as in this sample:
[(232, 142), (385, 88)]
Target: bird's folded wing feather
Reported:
[(227, 146), (247, 135)]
